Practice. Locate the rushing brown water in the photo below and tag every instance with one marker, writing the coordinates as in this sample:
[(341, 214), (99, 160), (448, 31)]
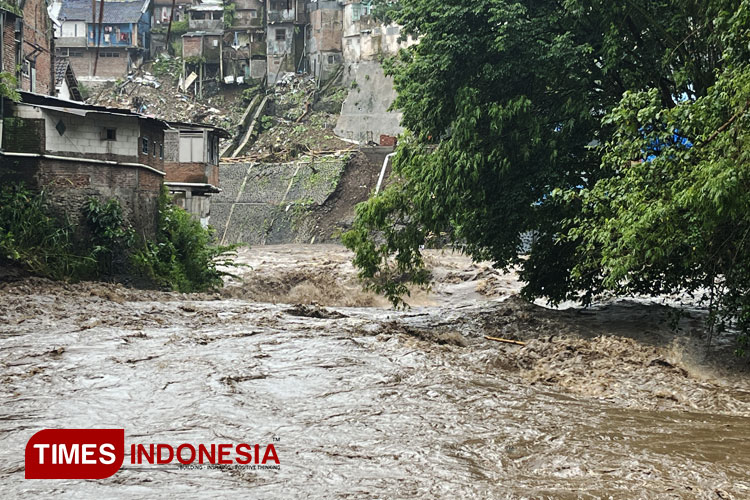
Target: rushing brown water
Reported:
[(368, 402)]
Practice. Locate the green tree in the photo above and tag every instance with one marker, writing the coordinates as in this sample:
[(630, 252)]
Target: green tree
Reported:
[(385, 11), (674, 212), (505, 103)]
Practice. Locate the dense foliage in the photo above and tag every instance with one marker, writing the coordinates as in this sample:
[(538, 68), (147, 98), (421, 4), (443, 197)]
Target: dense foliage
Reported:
[(674, 212), (385, 11), (183, 256), (111, 236), (8, 86), (34, 238), (613, 132)]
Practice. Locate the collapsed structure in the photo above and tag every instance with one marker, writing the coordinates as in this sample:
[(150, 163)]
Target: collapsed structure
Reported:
[(265, 39)]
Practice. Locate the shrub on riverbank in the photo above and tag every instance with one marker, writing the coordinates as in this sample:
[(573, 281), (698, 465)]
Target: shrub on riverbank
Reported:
[(34, 239), (182, 257)]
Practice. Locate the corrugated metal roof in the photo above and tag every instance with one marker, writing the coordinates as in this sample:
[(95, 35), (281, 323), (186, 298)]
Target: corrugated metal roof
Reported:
[(82, 109), (79, 108), (114, 12)]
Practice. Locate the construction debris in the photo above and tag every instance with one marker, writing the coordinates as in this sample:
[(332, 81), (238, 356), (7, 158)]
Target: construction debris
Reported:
[(295, 116), (161, 96)]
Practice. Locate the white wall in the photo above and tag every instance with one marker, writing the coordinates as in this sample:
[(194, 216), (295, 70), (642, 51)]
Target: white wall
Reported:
[(73, 29), (83, 134), (63, 92)]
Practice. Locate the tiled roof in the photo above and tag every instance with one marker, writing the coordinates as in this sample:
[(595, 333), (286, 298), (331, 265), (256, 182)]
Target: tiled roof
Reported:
[(61, 66), (114, 12)]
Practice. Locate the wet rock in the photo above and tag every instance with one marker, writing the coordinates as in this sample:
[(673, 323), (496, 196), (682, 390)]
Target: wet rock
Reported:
[(313, 311)]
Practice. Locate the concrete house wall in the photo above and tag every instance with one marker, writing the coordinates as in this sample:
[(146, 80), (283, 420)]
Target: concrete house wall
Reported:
[(324, 39), (286, 20)]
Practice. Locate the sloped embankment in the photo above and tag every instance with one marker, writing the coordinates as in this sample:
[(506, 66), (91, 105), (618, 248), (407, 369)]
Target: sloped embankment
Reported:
[(308, 200)]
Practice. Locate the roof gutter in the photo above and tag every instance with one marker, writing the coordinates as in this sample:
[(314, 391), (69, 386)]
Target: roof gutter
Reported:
[(210, 188), (84, 160)]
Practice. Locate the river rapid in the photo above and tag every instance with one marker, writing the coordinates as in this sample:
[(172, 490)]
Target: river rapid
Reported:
[(364, 401)]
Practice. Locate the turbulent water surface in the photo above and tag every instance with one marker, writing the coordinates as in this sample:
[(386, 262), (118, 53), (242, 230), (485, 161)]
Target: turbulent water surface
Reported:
[(368, 402)]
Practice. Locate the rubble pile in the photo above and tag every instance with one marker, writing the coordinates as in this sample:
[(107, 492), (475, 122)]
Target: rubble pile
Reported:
[(300, 120), (161, 96)]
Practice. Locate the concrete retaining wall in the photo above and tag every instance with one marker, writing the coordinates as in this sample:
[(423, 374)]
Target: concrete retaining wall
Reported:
[(364, 114), (271, 203)]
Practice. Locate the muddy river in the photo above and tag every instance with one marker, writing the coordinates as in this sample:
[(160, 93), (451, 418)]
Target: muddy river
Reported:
[(363, 401)]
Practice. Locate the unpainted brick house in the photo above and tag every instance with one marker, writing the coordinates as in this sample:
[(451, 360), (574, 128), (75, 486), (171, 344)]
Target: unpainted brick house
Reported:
[(27, 45)]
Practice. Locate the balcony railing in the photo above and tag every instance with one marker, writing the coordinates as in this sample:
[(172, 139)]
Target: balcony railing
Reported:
[(281, 16), (112, 40)]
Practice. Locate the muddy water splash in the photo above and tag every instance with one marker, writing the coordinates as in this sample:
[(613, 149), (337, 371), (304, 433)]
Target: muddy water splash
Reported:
[(371, 402)]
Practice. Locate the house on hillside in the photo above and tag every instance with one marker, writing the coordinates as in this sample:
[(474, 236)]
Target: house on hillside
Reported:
[(207, 15), (367, 39), (26, 34), (160, 23), (285, 38), (163, 10), (202, 44), (323, 45), (191, 163), (120, 46), (244, 52)]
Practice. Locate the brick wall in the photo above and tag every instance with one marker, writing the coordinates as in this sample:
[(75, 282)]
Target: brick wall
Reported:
[(69, 184), (155, 137), (37, 47), (106, 67), (37, 32), (82, 65), (9, 45)]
